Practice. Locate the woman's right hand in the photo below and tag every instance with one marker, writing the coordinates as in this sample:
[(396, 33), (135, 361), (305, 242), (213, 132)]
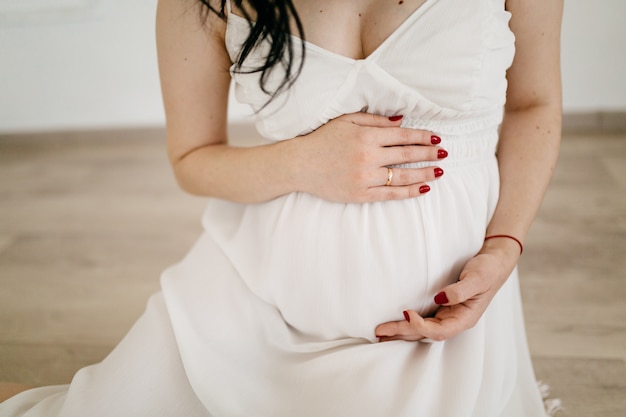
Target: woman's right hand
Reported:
[(346, 160)]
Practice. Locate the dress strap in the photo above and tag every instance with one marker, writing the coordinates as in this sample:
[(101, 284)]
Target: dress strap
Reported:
[(228, 6)]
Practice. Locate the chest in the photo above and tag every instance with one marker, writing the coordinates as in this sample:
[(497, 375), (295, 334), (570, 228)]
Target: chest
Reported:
[(445, 63), (354, 29)]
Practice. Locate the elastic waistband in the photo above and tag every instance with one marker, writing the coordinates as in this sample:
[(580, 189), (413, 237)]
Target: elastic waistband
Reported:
[(465, 149)]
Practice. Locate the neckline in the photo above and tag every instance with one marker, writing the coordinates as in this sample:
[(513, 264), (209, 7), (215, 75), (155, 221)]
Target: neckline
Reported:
[(395, 33)]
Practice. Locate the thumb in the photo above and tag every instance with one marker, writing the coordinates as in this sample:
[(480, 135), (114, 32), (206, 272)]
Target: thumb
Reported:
[(373, 120), (468, 287)]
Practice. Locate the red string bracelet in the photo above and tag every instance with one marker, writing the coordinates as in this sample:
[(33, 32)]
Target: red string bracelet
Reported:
[(521, 247)]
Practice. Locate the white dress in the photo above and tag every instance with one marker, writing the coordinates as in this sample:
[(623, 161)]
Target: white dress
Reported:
[(272, 313)]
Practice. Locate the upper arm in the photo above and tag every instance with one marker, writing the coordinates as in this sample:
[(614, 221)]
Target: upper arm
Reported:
[(194, 71), (535, 76)]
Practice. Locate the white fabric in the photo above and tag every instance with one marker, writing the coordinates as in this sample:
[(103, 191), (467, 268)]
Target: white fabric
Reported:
[(272, 313)]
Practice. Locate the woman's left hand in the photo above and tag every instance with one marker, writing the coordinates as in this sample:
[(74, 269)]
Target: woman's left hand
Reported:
[(462, 303)]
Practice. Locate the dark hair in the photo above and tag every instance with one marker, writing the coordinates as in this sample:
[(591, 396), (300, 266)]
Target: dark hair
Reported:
[(271, 23)]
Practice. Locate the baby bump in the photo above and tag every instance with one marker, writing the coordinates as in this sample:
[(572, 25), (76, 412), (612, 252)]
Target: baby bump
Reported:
[(338, 270)]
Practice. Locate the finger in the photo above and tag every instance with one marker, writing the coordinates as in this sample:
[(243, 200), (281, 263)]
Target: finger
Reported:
[(401, 136), (402, 192), (400, 337), (441, 330), (372, 120), (397, 328), (392, 329), (397, 155), (461, 291), (408, 176), (401, 330), (448, 322), (411, 329)]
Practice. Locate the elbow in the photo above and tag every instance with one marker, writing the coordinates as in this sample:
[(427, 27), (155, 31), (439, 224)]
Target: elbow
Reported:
[(551, 107), (185, 181), (188, 166), (545, 114)]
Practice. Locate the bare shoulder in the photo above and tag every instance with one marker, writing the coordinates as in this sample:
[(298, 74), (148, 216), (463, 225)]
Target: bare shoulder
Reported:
[(535, 20), (189, 19)]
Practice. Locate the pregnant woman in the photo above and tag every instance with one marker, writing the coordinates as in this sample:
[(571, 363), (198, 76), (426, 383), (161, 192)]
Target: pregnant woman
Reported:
[(361, 262)]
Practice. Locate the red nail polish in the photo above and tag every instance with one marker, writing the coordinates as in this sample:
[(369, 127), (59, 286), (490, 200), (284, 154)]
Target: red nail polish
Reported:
[(435, 140), (438, 172), (424, 189), (442, 153), (395, 118), (406, 316), (441, 298)]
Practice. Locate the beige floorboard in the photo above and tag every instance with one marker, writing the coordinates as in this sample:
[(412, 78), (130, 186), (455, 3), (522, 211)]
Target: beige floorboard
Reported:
[(88, 220)]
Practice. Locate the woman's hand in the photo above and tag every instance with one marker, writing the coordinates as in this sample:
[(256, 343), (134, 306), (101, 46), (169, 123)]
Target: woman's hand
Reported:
[(462, 303), (346, 160)]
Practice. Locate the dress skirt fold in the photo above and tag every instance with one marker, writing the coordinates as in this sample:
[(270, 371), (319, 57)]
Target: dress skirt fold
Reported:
[(272, 312)]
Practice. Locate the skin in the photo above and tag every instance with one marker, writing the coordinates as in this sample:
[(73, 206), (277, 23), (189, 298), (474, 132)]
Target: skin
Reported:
[(527, 153), (342, 161), (345, 159)]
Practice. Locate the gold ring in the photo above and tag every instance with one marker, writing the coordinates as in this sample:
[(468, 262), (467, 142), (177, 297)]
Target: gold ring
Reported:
[(389, 177)]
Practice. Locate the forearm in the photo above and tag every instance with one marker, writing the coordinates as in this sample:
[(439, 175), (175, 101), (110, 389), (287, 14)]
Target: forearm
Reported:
[(527, 154), (245, 175), (343, 161)]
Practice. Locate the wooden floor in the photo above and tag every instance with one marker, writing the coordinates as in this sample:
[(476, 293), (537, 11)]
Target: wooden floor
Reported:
[(88, 221)]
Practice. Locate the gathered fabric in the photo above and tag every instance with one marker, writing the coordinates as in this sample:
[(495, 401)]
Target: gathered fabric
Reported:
[(272, 312)]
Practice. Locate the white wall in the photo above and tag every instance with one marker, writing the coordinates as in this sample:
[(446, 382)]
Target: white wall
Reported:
[(92, 63), (84, 66), (594, 55)]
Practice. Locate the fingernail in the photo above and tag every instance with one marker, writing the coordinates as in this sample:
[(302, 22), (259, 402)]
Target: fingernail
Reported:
[(406, 316), (441, 298), (395, 118), (424, 189), (435, 140), (442, 153), (438, 172)]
